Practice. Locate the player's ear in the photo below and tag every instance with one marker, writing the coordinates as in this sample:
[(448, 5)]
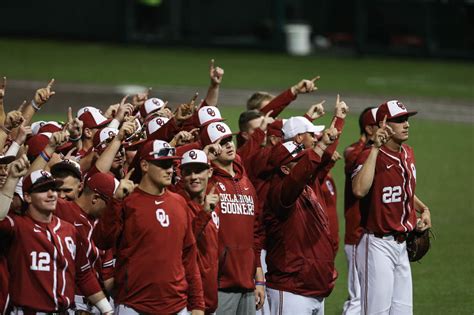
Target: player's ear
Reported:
[(95, 198), (244, 135), (80, 187), (27, 198), (285, 169), (211, 171), (144, 165), (87, 132)]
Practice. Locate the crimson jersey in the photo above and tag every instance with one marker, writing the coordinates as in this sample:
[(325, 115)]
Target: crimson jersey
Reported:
[(329, 192), (45, 262), (389, 205), (101, 261), (240, 232), (300, 252), (156, 270), (353, 231)]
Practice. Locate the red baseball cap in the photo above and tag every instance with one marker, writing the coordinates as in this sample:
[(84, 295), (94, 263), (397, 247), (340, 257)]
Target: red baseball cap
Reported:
[(275, 128), (102, 137), (215, 132), (154, 125), (50, 126), (393, 109), (156, 150), (370, 117), (103, 183), (286, 152), (92, 117), (40, 179), (38, 142)]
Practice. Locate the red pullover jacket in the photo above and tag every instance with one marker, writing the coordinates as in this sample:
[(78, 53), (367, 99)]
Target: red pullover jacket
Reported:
[(300, 253), (240, 230)]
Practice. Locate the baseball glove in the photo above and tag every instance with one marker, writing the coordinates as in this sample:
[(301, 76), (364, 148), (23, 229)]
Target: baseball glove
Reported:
[(418, 244)]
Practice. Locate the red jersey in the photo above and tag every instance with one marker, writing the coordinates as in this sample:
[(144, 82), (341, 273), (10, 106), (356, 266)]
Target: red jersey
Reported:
[(156, 270), (205, 229), (240, 233), (389, 205), (101, 261), (3, 283), (328, 188), (45, 262), (300, 253), (353, 230)]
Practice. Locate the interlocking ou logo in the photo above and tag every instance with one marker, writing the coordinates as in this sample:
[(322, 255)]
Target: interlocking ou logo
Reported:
[(155, 101), (215, 219), (220, 128), (193, 155), (159, 121), (162, 217), (111, 134), (45, 174), (166, 145), (400, 104), (211, 112), (222, 186)]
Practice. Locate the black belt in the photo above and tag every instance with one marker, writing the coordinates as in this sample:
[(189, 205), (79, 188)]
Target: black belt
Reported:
[(400, 237)]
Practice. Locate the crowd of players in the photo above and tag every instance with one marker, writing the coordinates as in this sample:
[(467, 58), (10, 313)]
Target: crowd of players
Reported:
[(141, 209)]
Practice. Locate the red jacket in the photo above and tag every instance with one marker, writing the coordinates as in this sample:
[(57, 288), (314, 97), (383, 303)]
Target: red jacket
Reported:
[(353, 230), (240, 229), (46, 261), (205, 229), (300, 253), (389, 205), (156, 270), (328, 188)]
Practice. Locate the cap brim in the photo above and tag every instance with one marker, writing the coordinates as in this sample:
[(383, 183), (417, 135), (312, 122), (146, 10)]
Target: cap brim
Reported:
[(194, 163), (316, 128), (163, 158), (55, 183), (7, 159), (411, 113), (211, 121), (133, 146)]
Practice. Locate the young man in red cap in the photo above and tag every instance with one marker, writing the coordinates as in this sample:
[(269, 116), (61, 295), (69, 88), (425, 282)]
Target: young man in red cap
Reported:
[(45, 259), (156, 270), (353, 230), (204, 203), (241, 281), (385, 179)]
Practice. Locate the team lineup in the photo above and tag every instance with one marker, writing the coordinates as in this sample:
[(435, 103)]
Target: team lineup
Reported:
[(144, 209)]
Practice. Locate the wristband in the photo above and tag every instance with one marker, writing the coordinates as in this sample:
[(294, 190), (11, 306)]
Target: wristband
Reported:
[(104, 306), (45, 156), (34, 105), (260, 283), (5, 129)]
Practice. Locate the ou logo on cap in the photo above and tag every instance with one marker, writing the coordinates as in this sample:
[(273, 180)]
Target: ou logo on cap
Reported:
[(193, 155), (111, 134), (155, 101), (220, 128), (211, 112), (159, 121), (45, 174), (400, 104)]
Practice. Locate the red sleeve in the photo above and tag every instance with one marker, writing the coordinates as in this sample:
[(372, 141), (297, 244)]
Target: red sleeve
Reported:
[(258, 233), (252, 145), (85, 276), (193, 121), (109, 227), (108, 265), (200, 222), (7, 227), (279, 103), (193, 276), (287, 192)]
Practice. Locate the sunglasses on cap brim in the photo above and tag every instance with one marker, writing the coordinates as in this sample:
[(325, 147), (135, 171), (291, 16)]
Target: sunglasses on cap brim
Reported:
[(164, 152)]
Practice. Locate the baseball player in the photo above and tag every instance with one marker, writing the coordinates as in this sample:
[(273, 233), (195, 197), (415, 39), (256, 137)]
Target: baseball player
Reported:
[(385, 179), (156, 270), (195, 174), (45, 260), (353, 231)]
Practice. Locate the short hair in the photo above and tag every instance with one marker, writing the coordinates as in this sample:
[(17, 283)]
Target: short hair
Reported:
[(361, 120), (247, 116), (256, 99)]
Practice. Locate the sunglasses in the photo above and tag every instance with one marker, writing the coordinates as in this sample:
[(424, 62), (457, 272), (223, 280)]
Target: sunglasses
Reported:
[(225, 141), (164, 152), (164, 164)]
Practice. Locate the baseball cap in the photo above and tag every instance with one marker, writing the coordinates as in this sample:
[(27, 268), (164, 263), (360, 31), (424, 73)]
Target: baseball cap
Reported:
[(154, 125), (50, 126), (38, 142), (103, 136), (370, 117), (6, 159), (156, 150), (209, 114), (92, 117), (151, 105), (214, 132), (67, 165), (104, 184), (275, 128), (36, 126), (194, 157), (393, 109), (38, 180), (297, 125), (286, 152)]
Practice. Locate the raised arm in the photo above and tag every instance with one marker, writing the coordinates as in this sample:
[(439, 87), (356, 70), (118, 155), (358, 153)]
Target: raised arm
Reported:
[(215, 74), (16, 169), (42, 95)]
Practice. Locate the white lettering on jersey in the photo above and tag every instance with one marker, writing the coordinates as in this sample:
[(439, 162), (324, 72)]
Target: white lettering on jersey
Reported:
[(162, 217), (236, 204), (215, 219), (413, 169), (40, 261), (221, 186), (391, 194), (70, 246)]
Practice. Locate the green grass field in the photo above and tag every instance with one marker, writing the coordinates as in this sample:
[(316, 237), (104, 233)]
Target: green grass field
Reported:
[(443, 281)]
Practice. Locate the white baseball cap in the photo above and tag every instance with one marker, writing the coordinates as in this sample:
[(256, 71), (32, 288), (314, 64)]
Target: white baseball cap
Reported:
[(209, 114), (393, 109), (151, 105), (36, 126), (101, 137), (155, 124), (194, 156), (92, 117), (214, 132), (297, 125)]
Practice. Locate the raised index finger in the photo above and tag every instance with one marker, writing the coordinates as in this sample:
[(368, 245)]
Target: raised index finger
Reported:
[(337, 99), (211, 64), (69, 115), (384, 121), (315, 78), (50, 84)]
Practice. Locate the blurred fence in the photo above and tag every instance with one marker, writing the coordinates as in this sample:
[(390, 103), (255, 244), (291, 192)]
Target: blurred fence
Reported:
[(408, 27)]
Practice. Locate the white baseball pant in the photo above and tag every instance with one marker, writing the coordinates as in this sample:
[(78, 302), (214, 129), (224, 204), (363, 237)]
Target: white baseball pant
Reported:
[(287, 303), (385, 276), (352, 304), (121, 309), (265, 310)]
